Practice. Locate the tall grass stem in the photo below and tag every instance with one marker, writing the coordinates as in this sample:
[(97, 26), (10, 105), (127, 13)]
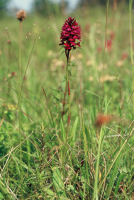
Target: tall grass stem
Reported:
[(107, 5), (95, 196), (131, 45), (19, 106)]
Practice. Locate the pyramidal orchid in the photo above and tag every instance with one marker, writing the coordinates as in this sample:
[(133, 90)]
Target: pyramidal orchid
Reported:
[(70, 35), (70, 38)]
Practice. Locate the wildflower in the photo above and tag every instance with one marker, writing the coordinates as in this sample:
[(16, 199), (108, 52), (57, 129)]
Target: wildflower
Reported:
[(70, 33), (109, 45), (70, 38), (21, 15)]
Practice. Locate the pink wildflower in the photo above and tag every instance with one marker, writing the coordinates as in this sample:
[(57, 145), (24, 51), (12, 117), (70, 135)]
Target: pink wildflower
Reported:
[(109, 45)]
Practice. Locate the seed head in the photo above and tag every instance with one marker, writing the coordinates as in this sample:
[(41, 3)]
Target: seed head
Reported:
[(21, 15), (70, 34), (13, 74), (8, 41)]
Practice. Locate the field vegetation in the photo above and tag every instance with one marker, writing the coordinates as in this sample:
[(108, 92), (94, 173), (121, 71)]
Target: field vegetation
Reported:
[(59, 146)]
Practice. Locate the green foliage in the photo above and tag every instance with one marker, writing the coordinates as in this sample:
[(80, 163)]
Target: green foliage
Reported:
[(47, 7), (4, 192), (58, 184), (3, 7), (99, 2)]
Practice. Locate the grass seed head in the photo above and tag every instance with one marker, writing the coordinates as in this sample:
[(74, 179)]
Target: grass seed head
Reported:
[(21, 15)]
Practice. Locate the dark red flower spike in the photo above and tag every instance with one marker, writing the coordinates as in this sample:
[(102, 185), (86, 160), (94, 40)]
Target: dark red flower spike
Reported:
[(70, 34)]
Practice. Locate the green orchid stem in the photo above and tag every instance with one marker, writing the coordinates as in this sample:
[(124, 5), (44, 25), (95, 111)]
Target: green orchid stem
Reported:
[(19, 106), (67, 86)]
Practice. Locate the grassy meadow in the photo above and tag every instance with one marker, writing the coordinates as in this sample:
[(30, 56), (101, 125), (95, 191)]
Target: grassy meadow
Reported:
[(45, 153)]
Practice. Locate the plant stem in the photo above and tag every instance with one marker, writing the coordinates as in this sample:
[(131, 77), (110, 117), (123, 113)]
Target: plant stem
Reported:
[(9, 87), (95, 197), (67, 86), (105, 41), (19, 106), (131, 45)]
